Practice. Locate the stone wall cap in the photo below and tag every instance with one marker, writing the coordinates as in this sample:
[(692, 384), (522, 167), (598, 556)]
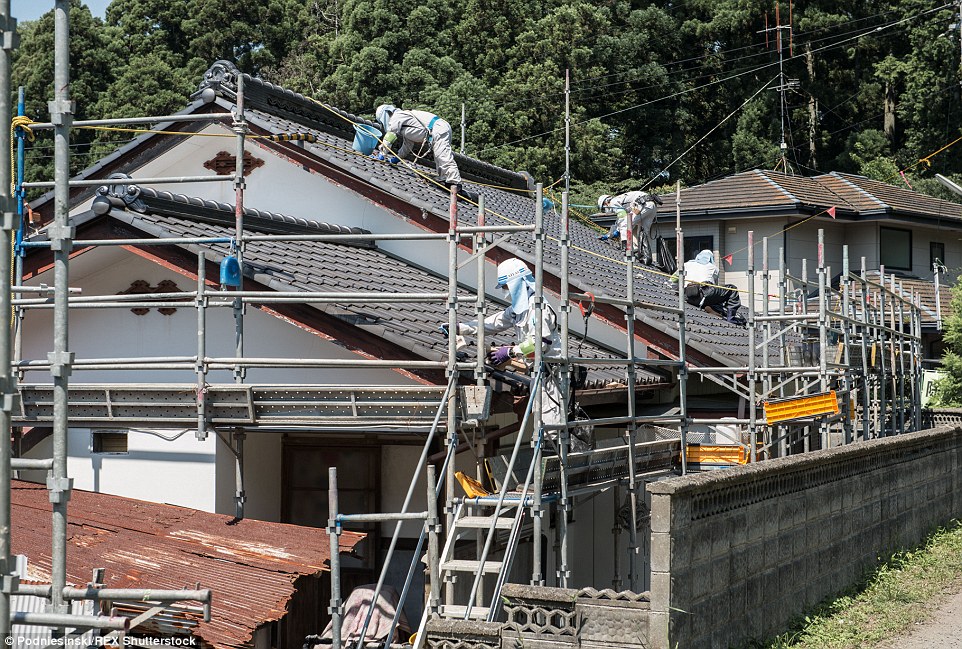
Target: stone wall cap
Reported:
[(462, 627), (745, 473), (544, 593)]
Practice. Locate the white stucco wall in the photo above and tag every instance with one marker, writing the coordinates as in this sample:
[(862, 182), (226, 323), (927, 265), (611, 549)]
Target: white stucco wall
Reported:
[(183, 472)]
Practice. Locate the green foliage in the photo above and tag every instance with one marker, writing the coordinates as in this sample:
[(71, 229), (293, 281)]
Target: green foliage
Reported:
[(948, 389), (648, 80)]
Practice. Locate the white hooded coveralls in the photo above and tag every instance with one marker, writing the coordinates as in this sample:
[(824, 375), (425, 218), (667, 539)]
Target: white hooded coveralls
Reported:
[(553, 409), (415, 127), (642, 223)]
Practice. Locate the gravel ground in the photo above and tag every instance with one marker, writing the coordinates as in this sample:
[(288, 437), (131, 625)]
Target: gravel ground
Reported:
[(942, 631)]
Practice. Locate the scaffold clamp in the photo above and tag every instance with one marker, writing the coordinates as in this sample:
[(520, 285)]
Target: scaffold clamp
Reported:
[(60, 363), (11, 39), (59, 489)]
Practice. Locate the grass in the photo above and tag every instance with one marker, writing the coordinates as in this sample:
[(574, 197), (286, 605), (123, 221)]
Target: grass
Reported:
[(897, 595)]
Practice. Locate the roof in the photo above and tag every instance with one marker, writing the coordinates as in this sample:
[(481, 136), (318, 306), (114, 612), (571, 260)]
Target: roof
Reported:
[(761, 192), (149, 545), (595, 266), (345, 266)]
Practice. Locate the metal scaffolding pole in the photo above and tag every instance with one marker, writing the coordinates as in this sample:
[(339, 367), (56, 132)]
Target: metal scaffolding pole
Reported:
[(783, 442), (564, 507), (848, 385), (537, 510), (632, 426), (7, 227), (822, 335), (682, 337), (766, 377), (240, 128), (451, 370), (59, 486), (751, 374)]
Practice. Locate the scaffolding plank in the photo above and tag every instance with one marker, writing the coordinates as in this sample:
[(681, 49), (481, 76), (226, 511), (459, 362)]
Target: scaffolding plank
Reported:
[(175, 405), (825, 403)]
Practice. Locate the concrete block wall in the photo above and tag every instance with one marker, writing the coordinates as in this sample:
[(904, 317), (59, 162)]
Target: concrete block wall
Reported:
[(735, 554)]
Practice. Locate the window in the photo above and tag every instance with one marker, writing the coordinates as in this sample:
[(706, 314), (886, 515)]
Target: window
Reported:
[(108, 442), (895, 248), (693, 245), (936, 254)]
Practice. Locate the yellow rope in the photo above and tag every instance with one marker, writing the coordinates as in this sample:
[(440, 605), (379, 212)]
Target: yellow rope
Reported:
[(23, 122)]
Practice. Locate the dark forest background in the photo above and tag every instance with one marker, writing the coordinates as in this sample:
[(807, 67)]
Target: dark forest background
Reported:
[(660, 91)]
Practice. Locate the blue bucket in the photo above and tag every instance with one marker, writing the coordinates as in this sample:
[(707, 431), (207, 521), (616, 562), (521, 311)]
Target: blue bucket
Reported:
[(365, 138)]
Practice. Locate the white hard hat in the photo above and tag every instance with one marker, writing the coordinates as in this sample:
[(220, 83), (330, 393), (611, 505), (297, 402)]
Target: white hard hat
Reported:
[(509, 269), (383, 114), (601, 201)]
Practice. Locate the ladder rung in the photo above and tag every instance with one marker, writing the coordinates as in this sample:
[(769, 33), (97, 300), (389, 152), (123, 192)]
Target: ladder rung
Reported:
[(452, 612), (484, 522), (471, 566)]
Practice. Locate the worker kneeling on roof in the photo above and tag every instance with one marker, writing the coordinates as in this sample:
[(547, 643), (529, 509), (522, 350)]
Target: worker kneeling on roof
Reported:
[(519, 285), (702, 290), (418, 130)]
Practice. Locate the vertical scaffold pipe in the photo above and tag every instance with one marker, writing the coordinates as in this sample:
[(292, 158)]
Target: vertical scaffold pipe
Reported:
[(632, 427), (564, 439), (766, 337), (7, 227), (783, 352), (61, 235), (682, 333), (822, 334), (848, 386), (451, 439), (880, 336), (21, 227), (537, 569), (201, 366), (917, 363), (240, 496), (433, 527), (240, 129), (480, 248), (863, 330), (333, 534), (901, 352), (807, 433), (752, 378)]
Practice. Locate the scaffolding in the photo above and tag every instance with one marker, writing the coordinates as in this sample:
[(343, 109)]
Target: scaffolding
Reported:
[(809, 344)]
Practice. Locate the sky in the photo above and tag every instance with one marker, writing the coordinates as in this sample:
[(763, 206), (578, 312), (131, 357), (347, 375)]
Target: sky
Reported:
[(24, 10)]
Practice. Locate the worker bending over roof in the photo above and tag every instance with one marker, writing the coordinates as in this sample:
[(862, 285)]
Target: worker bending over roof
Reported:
[(643, 209), (702, 290), (418, 130)]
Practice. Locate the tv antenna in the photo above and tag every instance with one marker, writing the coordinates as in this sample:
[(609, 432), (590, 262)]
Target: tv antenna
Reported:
[(784, 83)]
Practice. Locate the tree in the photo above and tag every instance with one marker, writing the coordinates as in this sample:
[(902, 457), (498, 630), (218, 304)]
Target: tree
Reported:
[(92, 65), (948, 389)]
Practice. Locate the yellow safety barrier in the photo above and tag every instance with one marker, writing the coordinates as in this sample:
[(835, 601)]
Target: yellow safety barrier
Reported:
[(717, 454), (801, 407)]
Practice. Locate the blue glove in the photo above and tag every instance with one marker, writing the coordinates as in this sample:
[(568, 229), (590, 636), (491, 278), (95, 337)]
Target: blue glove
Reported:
[(393, 159), (378, 156), (445, 330), (616, 233), (500, 355), (603, 237)]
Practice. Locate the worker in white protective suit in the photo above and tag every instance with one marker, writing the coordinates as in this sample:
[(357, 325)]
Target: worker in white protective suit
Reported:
[(420, 131), (642, 209), (702, 289), (517, 280)]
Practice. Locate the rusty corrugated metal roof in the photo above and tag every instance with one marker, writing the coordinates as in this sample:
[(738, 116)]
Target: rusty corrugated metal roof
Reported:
[(249, 565)]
